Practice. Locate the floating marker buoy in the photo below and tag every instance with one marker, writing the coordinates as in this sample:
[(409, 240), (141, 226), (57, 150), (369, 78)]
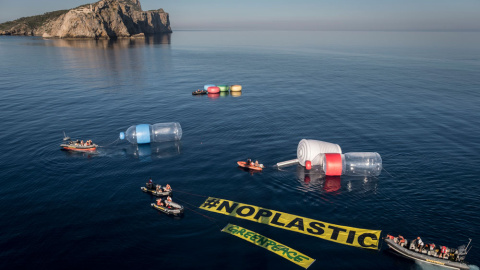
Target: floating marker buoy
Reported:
[(223, 88), (236, 88), (205, 87), (213, 90)]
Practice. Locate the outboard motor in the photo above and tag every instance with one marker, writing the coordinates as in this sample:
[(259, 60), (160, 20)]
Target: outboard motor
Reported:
[(462, 253), (412, 244)]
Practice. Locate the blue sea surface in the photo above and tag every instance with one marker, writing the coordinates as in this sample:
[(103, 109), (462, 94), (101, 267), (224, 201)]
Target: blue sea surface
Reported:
[(413, 97)]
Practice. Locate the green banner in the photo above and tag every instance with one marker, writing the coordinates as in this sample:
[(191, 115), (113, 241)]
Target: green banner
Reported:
[(270, 244)]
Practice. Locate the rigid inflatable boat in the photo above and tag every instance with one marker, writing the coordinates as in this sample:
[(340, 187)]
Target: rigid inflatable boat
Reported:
[(173, 209), (450, 258), (77, 145), (243, 164), (154, 192), (199, 92)]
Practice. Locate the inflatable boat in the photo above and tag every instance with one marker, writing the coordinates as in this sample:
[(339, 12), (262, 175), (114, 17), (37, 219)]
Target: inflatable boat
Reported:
[(173, 209), (156, 193), (243, 164), (451, 258), (199, 92), (77, 145)]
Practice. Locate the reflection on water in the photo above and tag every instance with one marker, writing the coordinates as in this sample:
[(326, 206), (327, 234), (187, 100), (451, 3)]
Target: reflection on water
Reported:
[(80, 154), (250, 171), (315, 180), (122, 43), (120, 65), (149, 152), (426, 266), (213, 96)]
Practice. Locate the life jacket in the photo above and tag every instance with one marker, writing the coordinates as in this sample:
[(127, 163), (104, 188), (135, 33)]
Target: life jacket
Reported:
[(444, 249)]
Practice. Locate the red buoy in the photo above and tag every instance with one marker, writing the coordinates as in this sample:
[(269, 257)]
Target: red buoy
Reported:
[(308, 165), (213, 90)]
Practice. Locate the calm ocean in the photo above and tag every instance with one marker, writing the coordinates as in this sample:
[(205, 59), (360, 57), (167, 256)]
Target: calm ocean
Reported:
[(413, 97)]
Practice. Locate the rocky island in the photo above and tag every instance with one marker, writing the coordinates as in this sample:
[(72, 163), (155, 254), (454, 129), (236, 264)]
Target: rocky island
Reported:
[(105, 19)]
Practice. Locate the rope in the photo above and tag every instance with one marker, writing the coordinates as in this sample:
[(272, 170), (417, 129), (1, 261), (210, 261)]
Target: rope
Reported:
[(118, 139), (381, 243), (214, 220), (176, 190), (388, 172)]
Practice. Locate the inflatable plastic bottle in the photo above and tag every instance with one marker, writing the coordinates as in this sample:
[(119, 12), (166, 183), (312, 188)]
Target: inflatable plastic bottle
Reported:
[(352, 164), (145, 133)]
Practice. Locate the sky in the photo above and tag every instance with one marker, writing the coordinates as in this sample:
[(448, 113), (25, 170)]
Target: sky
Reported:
[(397, 15)]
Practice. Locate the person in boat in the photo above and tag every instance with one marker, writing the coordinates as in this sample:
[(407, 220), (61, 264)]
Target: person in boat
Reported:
[(159, 202), (256, 163), (401, 241), (169, 199), (167, 204), (443, 252), (167, 188), (149, 184), (420, 244)]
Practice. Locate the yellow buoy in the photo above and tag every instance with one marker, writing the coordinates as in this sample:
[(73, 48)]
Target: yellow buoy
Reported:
[(235, 88)]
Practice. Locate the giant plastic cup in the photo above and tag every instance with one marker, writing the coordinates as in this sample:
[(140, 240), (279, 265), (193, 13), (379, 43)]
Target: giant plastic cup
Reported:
[(145, 133), (352, 164)]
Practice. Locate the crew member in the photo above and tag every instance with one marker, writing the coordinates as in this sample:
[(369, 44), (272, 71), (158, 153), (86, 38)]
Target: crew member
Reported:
[(401, 240), (419, 244), (443, 252), (149, 183), (159, 202)]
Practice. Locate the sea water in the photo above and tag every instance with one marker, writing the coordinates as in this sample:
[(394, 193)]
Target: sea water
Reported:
[(410, 96)]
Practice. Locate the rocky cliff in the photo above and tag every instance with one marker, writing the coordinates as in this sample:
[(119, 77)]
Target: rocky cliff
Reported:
[(105, 19)]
